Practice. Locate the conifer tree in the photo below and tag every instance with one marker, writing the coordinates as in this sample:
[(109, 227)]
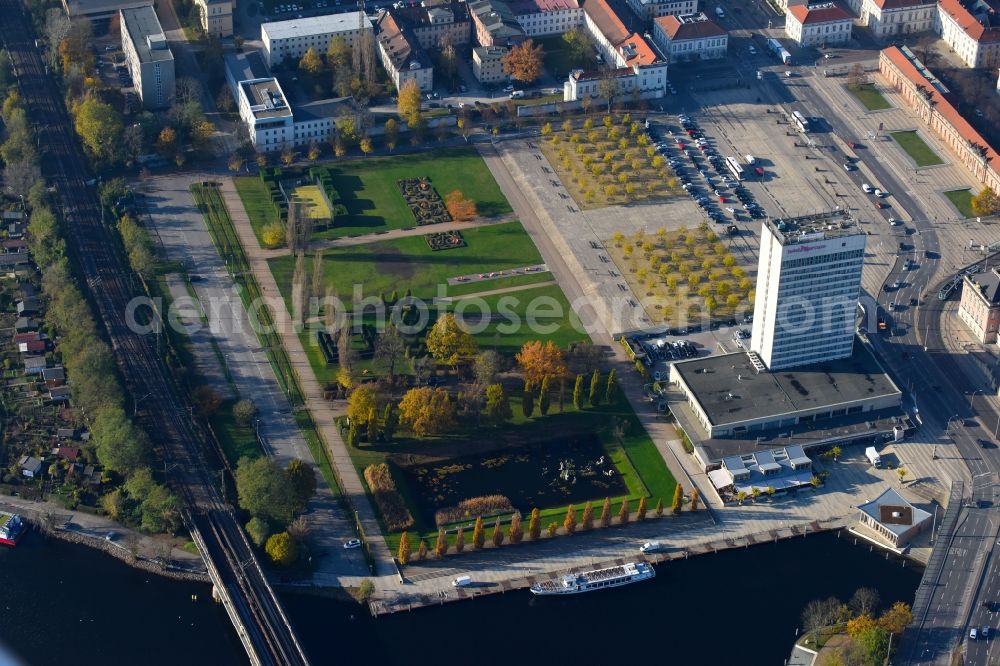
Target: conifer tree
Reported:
[(403, 554), (460, 539), (441, 547), (641, 511), (478, 534), (678, 501), (587, 522), (659, 507), (535, 524), (595, 388), (516, 531), (606, 512), (569, 522), (578, 393), (497, 533), (623, 512), (609, 391)]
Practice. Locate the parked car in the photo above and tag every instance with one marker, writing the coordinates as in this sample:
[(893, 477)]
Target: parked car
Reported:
[(650, 547), (352, 543)]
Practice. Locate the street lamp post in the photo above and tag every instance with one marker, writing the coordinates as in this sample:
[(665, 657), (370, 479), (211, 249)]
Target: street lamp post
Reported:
[(972, 398)]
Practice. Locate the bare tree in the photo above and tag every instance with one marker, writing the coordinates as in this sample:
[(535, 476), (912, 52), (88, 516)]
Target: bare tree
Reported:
[(317, 279), (820, 613), (187, 89), (19, 176), (584, 358), (865, 601), (486, 367), (389, 349)]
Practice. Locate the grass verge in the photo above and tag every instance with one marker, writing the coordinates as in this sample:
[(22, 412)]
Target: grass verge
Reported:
[(962, 201), (870, 96), (916, 148)]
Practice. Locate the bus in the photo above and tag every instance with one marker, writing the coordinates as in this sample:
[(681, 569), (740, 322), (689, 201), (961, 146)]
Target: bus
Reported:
[(734, 167), (800, 122)]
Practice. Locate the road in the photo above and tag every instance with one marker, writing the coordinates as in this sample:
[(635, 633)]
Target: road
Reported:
[(245, 591)]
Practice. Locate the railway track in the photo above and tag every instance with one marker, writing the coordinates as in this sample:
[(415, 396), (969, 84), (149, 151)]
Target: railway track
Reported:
[(252, 605)]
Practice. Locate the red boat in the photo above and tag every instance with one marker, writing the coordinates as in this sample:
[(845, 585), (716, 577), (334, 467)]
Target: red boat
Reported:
[(12, 527)]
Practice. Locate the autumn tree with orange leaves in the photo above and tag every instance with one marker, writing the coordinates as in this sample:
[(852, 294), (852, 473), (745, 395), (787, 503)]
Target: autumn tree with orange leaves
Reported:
[(539, 361), (460, 208), (524, 61)]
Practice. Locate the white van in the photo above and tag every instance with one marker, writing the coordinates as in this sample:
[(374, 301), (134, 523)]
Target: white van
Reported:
[(866, 188), (462, 581), (517, 94), (878, 192)]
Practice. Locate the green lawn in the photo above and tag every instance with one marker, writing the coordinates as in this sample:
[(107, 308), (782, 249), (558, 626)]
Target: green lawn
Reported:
[(408, 263), (869, 95), (257, 200), (552, 319), (236, 440), (557, 61), (367, 188), (916, 148), (962, 201)]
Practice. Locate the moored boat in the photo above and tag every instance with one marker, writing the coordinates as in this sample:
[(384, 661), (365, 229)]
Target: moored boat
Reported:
[(12, 526), (598, 579)]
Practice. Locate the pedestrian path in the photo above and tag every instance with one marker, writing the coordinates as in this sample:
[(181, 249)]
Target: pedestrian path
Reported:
[(364, 239), (323, 411), (494, 292)]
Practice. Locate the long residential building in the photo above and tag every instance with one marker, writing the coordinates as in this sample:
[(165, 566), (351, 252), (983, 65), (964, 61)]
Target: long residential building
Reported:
[(402, 55), (291, 39), (147, 56), (926, 96), (979, 308), (509, 22), (971, 29), (647, 10), (631, 66), (888, 18)]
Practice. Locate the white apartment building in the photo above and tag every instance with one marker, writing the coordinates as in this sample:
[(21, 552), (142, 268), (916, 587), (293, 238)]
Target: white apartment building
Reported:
[(291, 39), (149, 61), (887, 18), (971, 30), (647, 10), (818, 25), (271, 122), (629, 60), (808, 280), (690, 37)]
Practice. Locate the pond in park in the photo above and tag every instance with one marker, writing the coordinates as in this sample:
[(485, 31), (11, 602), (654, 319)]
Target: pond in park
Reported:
[(542, 475)]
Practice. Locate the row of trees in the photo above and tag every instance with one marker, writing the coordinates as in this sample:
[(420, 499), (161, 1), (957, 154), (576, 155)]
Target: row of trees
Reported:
[(573, 521), (119, 445)]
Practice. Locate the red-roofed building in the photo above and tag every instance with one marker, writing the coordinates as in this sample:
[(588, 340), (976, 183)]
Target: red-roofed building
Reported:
[(887, 18), (906, 74), (401, 53), (638, 69), (690, 37), (972, 30), (818, 25)]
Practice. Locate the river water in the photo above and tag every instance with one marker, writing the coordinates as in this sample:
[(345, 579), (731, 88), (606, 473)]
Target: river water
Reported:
[(66, 604)]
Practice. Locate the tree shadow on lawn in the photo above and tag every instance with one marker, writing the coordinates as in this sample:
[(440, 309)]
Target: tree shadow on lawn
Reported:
[(491, 209), (357, 208), (394, 256)]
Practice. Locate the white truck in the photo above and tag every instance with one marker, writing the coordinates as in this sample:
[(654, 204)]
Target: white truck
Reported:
[(873, 457), (720, 13), (750, 159)]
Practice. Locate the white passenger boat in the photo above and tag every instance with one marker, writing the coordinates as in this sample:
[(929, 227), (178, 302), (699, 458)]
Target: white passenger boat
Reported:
[(599, 579)]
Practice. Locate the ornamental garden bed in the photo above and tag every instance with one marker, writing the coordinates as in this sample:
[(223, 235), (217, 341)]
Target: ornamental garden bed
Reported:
[(423, 200), (445, 240)]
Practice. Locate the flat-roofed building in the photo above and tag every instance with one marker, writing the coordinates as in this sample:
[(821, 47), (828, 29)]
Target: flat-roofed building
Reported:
[(402, 55), (147, 56), (216, 17), (818, 25), (487, 64), (979, 308), (272, 124), (971, 29), (808, 281), (926, 96), (690, 37), (99, 10), (647, 10), (893, 519), (291, 39), (888, 18)]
